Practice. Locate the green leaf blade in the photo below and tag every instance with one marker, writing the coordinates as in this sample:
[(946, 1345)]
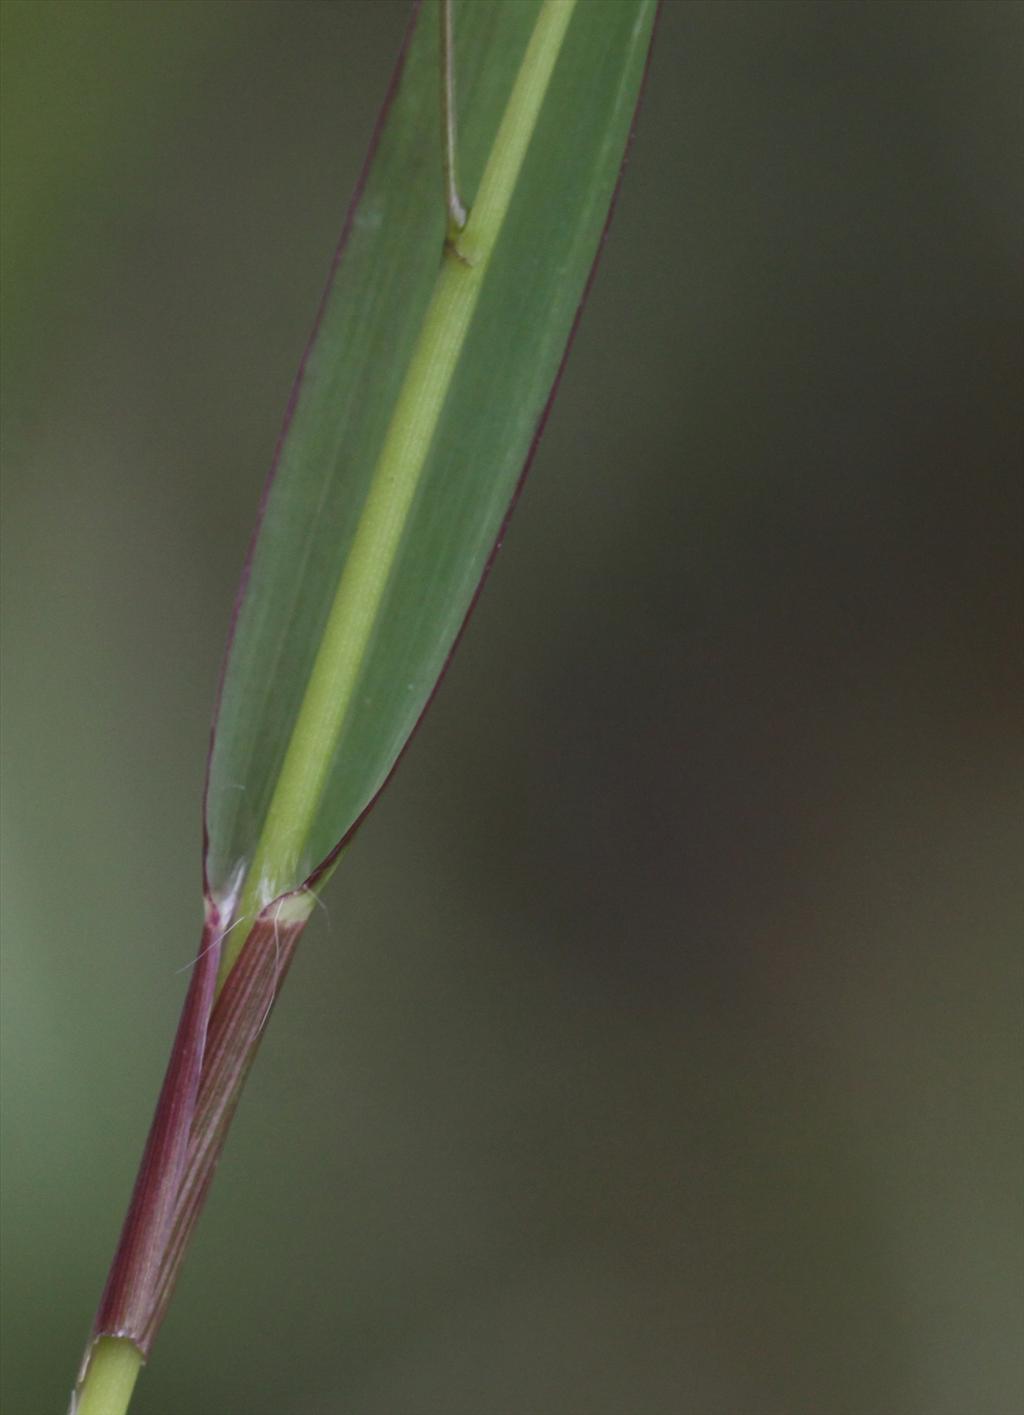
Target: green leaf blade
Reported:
[(371, 321)]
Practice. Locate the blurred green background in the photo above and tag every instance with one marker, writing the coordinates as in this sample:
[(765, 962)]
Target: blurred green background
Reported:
[(660, 1053)]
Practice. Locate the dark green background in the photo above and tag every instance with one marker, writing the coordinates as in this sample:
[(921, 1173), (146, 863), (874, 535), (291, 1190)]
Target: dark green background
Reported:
[(660, 1054)]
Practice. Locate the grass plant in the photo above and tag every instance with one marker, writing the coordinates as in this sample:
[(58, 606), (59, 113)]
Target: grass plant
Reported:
[(420, 398)]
